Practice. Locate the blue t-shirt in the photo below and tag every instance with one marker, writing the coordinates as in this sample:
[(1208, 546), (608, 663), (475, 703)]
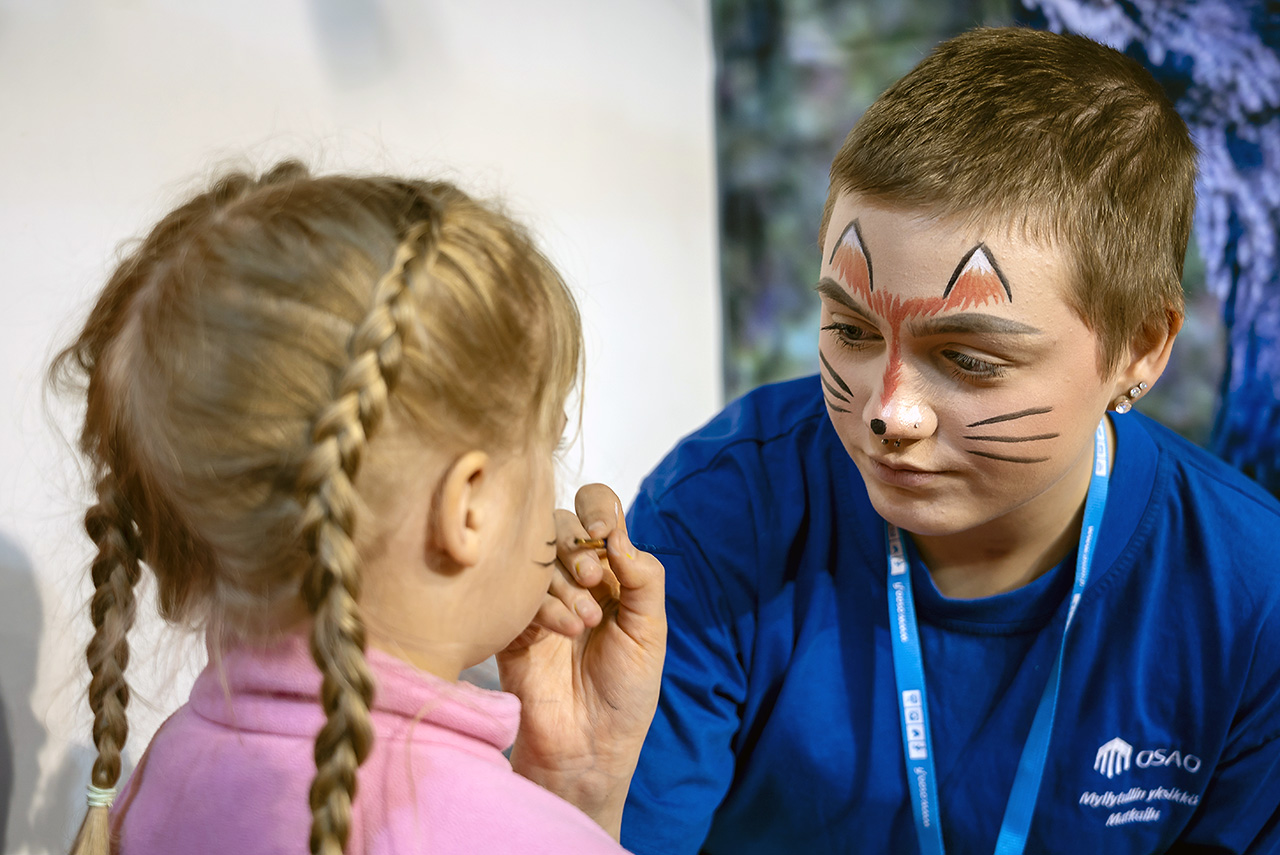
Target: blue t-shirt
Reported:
[(778, 729)]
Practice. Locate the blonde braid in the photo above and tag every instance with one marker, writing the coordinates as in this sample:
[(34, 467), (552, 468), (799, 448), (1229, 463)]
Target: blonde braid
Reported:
[(115, 571), (331, 586), (234, 368)]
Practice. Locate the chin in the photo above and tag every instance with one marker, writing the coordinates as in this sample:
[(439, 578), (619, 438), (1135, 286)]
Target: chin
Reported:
[(916, 515)]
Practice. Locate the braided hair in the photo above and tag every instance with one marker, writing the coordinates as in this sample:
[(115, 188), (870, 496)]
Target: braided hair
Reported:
[(235, 369)]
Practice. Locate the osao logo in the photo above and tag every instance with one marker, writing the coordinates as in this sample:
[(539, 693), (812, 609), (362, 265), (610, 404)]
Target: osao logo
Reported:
[(1113, 758)]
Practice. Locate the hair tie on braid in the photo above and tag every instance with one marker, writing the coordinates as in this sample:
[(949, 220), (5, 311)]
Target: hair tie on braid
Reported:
[(99, 797), (115, 571)]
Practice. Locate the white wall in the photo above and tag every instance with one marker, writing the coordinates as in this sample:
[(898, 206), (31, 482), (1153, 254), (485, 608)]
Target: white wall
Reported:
[(592, 119)]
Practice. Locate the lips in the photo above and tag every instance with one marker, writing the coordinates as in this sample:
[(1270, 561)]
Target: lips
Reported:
[(899, 474)]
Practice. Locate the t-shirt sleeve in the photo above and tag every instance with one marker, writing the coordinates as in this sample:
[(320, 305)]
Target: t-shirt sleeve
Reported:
[(687, 763), (1239, 811)]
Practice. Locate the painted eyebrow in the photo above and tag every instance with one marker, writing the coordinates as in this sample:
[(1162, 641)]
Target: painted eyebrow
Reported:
[(834, 291), (966, 322), (970, 322)]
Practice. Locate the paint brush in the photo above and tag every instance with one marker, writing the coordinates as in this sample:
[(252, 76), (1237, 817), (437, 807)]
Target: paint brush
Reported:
[(589, 543)]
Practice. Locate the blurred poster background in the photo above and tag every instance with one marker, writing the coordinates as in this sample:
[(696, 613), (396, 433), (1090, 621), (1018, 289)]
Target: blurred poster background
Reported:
[(794, 75)]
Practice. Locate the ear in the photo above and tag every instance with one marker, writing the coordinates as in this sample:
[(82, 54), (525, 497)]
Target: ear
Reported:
[(1148, 359), (457, 514)]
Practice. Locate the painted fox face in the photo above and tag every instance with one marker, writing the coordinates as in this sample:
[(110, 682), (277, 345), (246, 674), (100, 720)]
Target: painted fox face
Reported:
[(959, 379)]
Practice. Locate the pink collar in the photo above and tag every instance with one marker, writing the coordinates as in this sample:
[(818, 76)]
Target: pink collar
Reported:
[(276, 689)]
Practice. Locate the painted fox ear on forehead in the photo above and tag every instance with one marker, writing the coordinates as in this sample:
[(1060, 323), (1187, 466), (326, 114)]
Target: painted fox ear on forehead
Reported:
[(851, 261), (977, 280)]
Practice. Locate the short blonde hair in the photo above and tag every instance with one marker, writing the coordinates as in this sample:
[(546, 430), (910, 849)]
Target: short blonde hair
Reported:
[(235, 367), (1068, 141)]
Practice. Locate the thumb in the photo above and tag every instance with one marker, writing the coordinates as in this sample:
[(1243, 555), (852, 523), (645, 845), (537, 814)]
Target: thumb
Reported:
[(641, 579)]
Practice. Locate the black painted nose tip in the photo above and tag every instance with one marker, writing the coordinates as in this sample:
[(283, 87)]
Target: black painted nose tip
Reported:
[(878, 427)]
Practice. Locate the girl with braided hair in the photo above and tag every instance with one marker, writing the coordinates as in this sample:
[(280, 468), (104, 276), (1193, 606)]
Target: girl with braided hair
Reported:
[(323, 412)]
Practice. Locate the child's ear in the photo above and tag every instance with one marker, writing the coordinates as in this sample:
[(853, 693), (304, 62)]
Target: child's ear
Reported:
[(458, 514), (1149, 356)]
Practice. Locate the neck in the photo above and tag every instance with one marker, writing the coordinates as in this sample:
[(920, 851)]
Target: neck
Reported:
[(977, 564), (447, 664), (420, 617), (1018, 547)]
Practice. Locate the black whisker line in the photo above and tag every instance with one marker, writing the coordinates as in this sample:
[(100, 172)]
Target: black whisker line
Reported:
[(1007, 459), (834, 376), (1015, 438), (1008, 417), (833, 390), (545, 563), (832, 404)]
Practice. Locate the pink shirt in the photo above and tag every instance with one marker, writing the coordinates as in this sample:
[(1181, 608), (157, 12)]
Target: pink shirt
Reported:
[(231, 769)]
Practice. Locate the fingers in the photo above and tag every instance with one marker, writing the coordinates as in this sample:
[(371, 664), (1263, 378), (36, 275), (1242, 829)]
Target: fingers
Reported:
[(555, 616), (567, 609), (581, 562), (578, 607), (599, 510), (598, 515), (640, 575), (526, 639), (636, 579)]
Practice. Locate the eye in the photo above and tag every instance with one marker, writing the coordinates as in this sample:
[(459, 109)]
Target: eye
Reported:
[(851, 335), (970, 368)]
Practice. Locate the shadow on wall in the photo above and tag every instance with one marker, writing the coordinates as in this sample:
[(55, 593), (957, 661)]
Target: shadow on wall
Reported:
[(29, 822), (21, 735), (355, 40)]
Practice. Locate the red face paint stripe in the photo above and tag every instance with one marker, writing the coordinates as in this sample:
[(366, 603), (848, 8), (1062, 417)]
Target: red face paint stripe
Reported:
[(850, 266), (892, 371), (977, 280)]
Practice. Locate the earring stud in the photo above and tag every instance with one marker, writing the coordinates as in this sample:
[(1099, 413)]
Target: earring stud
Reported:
[(1124, 403)]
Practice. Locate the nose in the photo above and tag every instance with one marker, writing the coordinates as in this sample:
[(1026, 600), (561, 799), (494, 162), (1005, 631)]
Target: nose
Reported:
[(899, 417)]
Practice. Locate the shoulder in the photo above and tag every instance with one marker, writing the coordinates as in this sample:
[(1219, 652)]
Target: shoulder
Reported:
[(1211, 520), (1205, 525), (771, 426), (1212, 564), (733, 509), (1205, 479), (463, 807), (733, 493)]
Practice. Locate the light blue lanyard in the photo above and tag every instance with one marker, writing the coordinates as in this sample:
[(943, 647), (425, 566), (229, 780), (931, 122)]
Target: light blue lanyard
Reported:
[(908, 670)]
